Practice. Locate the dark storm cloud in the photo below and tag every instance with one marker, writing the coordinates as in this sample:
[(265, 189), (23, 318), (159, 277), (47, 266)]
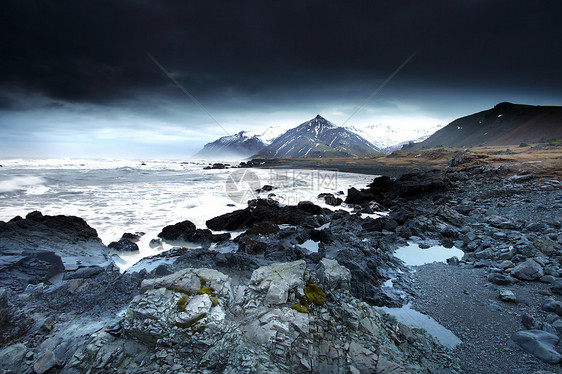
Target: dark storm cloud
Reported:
[(94, 51)]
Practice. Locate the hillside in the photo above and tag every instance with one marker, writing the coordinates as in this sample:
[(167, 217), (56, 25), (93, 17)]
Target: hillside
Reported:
[(504, 124)]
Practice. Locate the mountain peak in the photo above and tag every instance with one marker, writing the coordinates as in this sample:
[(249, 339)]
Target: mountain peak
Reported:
[(318, 116)]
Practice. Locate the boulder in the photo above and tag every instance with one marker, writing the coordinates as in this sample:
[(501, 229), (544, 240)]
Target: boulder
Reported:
[(12, 357), (529, 270), (186, 231), (538, 343), (124, 245), (333, 277)]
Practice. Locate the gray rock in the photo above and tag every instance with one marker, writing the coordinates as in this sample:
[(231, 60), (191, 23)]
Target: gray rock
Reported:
[(552, 305), (12, 357), (45, 361), (538, 343), (332, 276), (508, 296), (557, 287), (528, 270)]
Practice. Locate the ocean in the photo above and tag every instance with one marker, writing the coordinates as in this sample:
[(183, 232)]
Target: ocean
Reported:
[(118, 196)]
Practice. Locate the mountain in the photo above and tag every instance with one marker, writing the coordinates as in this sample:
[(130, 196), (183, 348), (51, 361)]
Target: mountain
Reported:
[(240, 145), (318, 138), (388, 137), (504, 124)]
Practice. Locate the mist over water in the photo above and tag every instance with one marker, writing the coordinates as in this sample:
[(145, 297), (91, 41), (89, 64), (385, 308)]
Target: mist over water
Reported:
[(119, 196)]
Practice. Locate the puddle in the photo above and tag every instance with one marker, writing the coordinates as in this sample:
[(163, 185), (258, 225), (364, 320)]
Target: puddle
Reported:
[(413, 255), (413, 318)]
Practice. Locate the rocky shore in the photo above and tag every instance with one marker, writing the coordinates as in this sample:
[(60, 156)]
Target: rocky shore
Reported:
[(294, 292)]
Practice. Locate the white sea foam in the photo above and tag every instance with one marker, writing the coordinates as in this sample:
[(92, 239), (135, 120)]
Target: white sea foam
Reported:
[(117, 196), (21, 183)]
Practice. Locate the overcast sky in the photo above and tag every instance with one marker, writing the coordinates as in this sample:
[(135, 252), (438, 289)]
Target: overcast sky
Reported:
[(76, 79)]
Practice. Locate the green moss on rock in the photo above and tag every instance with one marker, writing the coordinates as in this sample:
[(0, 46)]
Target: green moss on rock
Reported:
[(312, 295), (182, 303), (191, 322)]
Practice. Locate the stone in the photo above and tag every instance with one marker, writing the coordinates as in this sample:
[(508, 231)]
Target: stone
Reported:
[(45, 361), (528, 270), (363, 359), (538, 343), (551, 305), (124, 245), (12, 357), (557, 287), (508, 296), (332, 276)]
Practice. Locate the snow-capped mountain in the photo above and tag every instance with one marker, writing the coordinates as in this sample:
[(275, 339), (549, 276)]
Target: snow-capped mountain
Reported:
[(318, 138), (240, 145), (387, 137)]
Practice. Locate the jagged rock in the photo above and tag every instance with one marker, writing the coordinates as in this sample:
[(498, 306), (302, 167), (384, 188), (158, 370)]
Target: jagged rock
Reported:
[(187, 231), (502, 223), (250, 246), (45, 361), (38, 243), (124, 245), (12, 357), (4, 307), (332, 276), (508, 296), (538, 343), (330, 199), (261, 210), (528, 270)]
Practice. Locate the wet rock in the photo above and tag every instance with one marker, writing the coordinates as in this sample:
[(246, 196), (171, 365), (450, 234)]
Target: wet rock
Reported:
[(538, 343), (124, 245), (155, 243), (250, 246), (265, 188), (186, 231), (330, 199), (557, 287), (5, 311), (37, 240), (528, 270)]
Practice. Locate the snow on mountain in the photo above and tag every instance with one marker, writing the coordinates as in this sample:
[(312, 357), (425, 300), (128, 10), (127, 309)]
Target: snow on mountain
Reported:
[(386, 136), (318, 138), (240, 145)]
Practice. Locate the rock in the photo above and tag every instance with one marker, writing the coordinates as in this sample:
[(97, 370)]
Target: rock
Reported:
[(508, 296), (457, 159), (454, 261), (355, 196), (501, 279), (260, 210), (250, 246), (557, 287), (528, 270), (155, 243), (45, 361), (186, 231), (124, 245), (88, 272), (551, 305), (5, 312), (12, 357), (363, 359), (132, 237), (538, 343), (502, 223), (39, 241), (283, 277), (265, 188), (333, 277), (522, 178), (330, 199), (530, 323)]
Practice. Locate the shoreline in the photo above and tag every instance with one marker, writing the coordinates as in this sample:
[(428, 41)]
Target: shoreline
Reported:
[(495, 214)]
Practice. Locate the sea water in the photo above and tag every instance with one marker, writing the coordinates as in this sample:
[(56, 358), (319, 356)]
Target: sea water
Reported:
[(118, 196)]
